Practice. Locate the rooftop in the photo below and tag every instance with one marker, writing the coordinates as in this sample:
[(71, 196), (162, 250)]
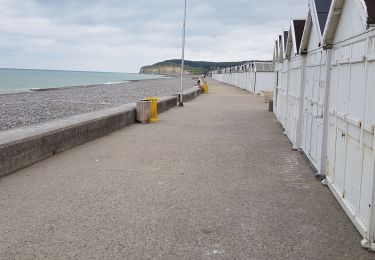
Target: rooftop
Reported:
[(299, 25), (322, 9), (370, 11)]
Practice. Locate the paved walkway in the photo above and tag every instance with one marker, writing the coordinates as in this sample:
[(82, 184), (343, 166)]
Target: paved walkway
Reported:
[(213, 180)]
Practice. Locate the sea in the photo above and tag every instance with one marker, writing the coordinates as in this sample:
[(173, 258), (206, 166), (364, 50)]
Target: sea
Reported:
[(21, 80)]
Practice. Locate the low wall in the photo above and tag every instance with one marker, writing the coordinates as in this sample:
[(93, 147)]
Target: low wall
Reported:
[(166, 103), (191, 94), (23, 147)]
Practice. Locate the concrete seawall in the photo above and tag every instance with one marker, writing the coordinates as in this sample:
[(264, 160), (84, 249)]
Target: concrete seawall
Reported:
[(23, 147)]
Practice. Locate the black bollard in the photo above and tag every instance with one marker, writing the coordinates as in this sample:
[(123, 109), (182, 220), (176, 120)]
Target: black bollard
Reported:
[(270, 106)]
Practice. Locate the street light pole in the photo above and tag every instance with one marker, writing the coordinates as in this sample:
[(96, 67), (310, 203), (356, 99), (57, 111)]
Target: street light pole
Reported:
[(180, 101)]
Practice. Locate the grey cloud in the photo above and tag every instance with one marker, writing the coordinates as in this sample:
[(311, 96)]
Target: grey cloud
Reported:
[(114, 35)]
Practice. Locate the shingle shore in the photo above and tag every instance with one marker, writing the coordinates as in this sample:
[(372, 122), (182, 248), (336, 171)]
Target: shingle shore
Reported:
[(24, 109)]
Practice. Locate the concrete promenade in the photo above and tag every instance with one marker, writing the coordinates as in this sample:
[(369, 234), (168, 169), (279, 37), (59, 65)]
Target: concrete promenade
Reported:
[(216, 179)]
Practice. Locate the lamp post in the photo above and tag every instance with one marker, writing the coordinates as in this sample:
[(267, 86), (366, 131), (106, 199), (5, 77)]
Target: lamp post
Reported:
[(180, 101)]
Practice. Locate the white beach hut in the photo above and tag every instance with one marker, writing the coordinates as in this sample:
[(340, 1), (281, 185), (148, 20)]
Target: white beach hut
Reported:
[(350, 33), (240, 77), (262, 77), (277, 61), (243, 77), (228, 75), (237, 76), (248, 76), (296, 65), (314, 84), (233, 76), (225, 75), (283, 80), (255, 76)]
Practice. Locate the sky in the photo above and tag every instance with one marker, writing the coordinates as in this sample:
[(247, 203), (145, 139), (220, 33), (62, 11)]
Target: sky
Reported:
[(123, 35)]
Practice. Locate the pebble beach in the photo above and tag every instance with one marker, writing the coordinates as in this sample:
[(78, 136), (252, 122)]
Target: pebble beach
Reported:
[(29, 108)]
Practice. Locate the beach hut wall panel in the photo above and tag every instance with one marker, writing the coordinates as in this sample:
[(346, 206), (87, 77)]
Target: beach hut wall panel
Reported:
[(283, 94), (237, 81), (240, 77), (263, 77), (227, 75), (313, 107), (222, 77), (249, 76), (231, 77), (294, 87), (263, 81), (276, 107), (277, 79), (237, 77), (244, 79), (293, 98), (282, 98), (276, 76), (234, 77), (219, 76), (250, 82), (351, 140), (314, 85)]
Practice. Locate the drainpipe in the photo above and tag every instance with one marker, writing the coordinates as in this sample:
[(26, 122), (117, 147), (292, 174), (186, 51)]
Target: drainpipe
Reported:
[(323, 163)]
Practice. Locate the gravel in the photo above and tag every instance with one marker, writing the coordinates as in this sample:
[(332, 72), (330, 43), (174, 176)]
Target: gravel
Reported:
[(29, 108)]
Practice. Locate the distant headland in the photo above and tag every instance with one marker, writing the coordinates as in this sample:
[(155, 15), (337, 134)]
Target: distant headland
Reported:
[(172, 67)]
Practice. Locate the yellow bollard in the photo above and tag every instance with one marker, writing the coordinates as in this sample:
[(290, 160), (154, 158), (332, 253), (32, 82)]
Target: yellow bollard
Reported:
[(205, 88), (154, 108)]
